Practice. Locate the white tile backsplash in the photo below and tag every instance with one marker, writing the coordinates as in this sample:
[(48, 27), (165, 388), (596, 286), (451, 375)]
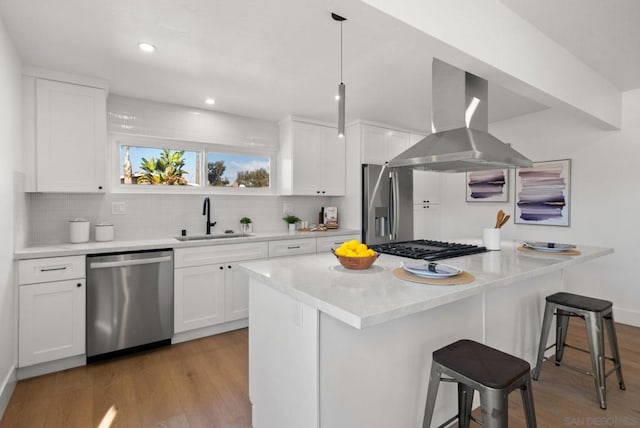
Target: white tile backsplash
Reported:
[(160, 216)]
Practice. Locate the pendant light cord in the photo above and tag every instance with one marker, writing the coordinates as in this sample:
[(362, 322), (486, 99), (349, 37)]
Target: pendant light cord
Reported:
[(341, 52)]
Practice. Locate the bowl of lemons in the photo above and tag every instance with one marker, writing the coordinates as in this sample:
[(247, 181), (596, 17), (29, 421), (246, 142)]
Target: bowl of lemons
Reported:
[(355, 255)]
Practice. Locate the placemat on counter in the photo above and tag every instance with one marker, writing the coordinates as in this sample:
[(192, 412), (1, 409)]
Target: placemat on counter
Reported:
[(570, 252), (463, 278)]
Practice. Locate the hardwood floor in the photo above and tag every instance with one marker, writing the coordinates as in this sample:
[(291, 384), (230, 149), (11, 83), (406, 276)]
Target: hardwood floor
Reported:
[(201, 383), (204, 383)]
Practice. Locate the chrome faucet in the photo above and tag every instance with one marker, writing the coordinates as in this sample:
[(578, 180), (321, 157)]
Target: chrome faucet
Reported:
[(206, 210)]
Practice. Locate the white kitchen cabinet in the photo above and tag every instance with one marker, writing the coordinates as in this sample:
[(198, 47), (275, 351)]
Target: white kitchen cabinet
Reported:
[(70, 137), (209, 288), (427, 219), (325, 244), (426, 187), (236, 293), (380, 145), (198, 297), (312, 159), (292, 247), (51, 312)]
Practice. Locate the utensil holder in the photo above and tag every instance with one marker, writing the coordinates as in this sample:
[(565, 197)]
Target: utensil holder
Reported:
[(491, 238)]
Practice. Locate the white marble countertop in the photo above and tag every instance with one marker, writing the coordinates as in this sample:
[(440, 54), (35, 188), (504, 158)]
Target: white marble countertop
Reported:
[(67, 249), (373, 296)]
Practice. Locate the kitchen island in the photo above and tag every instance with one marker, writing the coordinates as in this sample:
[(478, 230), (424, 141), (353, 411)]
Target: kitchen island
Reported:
[(329, 347)]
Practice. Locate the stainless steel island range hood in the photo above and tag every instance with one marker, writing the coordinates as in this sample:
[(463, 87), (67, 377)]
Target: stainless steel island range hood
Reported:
[(459, 118)]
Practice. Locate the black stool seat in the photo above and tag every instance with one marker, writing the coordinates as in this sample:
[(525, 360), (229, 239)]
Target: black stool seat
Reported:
[(579, 302), (488, 366)]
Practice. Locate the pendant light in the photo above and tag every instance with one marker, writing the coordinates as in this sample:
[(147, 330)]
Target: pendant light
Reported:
[(341, 87)]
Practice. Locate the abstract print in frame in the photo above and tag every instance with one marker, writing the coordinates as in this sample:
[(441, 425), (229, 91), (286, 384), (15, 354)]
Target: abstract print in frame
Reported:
[(488, 186), (543, 193)]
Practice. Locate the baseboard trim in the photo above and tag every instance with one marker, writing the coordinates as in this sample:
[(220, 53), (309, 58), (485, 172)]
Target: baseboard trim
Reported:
[(8, 384), (626, 316), (51, 366), (209, 331)]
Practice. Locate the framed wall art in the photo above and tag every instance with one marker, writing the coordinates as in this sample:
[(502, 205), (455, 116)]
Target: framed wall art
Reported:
[(488, 186), (543, 193)]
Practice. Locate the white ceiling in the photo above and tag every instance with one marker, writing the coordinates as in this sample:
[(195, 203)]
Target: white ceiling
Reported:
[(605, 35), (271, 59)]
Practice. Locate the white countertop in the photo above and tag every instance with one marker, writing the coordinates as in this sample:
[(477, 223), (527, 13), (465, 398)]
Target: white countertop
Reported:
[(374, 296), (58, 250)]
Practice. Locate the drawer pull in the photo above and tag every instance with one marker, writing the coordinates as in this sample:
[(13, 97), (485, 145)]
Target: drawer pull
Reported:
[(52, 269), (294, 247)]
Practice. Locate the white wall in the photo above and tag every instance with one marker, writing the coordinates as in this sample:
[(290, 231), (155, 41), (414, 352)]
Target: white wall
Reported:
[(605, 203), (10, 131)]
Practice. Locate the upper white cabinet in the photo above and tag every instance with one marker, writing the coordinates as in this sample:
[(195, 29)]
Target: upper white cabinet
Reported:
[(312, 159), (380, 145), (65, 136), (426, 187)]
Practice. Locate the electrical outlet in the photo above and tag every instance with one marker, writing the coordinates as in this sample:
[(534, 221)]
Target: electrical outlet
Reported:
[(118, 208), (287, 208)]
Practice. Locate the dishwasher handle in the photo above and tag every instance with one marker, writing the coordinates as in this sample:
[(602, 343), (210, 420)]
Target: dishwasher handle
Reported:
[(123, 263)]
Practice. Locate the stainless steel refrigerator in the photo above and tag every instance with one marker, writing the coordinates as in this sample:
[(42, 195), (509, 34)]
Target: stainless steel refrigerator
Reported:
[(387, 204)]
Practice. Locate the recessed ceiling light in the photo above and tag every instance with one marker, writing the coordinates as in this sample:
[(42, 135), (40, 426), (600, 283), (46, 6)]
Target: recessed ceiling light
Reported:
[(146, 47), (210, 101)]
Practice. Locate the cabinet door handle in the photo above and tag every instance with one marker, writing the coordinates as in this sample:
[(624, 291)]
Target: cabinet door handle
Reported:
[(52, 269), (317, 191), (79, 285), (229, 266), (293, 248), (221, 267), (99, 187), (323, 191)]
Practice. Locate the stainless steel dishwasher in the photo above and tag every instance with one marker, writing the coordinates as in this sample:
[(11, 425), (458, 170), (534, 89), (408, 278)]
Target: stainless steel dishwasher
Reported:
[(129, 302)]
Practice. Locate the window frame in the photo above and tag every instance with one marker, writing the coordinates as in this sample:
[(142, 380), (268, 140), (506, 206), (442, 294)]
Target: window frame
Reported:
[(119, 140)]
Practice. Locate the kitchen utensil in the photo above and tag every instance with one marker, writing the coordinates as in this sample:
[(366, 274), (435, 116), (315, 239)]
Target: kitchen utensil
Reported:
[(504, 220), (79, 230), (499, 218)]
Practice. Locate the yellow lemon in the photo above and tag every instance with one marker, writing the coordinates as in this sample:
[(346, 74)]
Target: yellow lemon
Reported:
[(341, 251), (361, 248), (353, 244), (371, 253)]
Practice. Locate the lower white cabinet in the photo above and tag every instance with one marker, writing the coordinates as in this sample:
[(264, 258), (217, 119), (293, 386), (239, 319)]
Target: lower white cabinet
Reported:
[(208, 286), (292, 247), (52, 321), (427, 221), (198, 297), (327, 243), (236, 293)]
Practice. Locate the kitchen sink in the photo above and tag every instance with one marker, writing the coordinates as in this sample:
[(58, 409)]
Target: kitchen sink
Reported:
[(215, 236)]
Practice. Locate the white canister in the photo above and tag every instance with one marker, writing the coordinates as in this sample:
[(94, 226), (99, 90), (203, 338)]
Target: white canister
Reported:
[(491, 238), (104, 232), (79, 230)]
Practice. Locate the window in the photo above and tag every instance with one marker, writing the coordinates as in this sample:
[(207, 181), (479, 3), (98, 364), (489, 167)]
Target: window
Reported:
[(149, 165), (154, 166), (237, 170)]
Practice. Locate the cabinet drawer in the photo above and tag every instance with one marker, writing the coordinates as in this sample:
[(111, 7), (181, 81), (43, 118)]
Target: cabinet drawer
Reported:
[(291, 247), (329, 242), (50, 269), (199, 256)]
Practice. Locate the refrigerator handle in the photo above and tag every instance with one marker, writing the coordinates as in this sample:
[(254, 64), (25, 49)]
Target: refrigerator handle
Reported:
[(393, 204)]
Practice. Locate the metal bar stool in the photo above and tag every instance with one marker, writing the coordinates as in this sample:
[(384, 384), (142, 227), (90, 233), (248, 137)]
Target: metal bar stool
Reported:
[(492, 373), (595, 312)]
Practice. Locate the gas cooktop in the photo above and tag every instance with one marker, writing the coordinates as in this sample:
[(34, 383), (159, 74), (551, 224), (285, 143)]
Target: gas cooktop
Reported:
[(427, 250)]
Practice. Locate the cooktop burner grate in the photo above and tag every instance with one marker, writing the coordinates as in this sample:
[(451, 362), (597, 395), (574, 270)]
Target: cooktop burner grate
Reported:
[(424, 249)]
